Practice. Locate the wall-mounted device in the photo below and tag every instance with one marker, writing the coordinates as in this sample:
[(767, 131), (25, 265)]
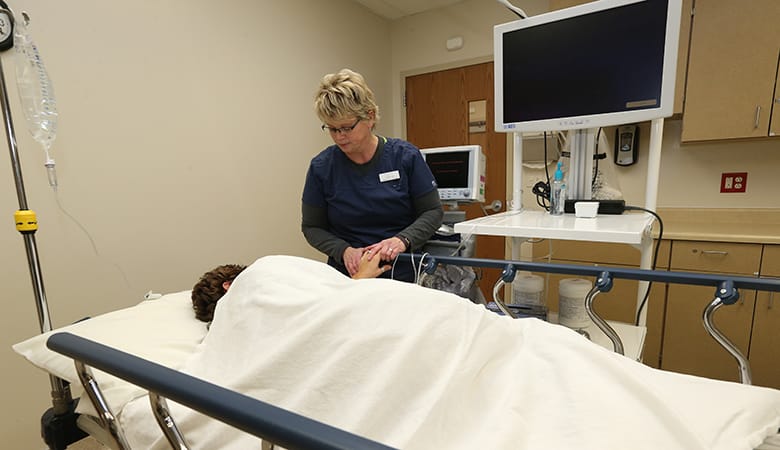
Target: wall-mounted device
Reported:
[(626, 144), (459, 171)]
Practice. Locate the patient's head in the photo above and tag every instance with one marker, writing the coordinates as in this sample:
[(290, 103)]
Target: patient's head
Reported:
[(211, 287)]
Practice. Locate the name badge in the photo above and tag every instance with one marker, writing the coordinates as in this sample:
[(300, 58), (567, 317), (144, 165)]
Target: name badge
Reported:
[(389, 176)]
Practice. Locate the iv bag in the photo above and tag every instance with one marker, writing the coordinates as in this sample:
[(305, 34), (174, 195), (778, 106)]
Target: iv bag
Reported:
[(36, 94)]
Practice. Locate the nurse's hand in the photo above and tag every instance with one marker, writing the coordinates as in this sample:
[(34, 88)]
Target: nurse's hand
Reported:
[(369, 266), (388, 249), (352, 259)]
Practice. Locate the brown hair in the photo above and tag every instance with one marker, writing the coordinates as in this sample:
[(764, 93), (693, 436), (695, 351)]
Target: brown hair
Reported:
[(208, 290)]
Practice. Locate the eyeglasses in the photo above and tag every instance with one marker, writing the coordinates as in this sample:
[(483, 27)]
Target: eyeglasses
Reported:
[(343, 130)]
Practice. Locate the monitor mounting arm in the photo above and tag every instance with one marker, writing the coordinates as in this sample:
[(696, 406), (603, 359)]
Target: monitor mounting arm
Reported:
[(513, 8)]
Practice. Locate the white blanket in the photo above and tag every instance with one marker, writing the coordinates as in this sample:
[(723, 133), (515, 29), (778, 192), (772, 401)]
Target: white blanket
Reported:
[(416, 368)]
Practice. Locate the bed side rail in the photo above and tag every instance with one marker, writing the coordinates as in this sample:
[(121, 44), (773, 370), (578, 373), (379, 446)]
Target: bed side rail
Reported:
[(726, 289), (663, 276), (248, 414)]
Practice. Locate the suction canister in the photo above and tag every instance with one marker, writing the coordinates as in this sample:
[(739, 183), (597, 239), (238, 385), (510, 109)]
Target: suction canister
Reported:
[(528, 296), (571, 303)]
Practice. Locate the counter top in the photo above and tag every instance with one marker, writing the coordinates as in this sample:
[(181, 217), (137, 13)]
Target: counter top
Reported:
[(721, 225)]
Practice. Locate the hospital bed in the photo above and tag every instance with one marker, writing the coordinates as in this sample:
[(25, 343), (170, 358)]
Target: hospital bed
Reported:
[(158, 346)]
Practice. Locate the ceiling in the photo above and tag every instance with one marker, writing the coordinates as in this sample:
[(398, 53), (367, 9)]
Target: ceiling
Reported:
[(396, 9)]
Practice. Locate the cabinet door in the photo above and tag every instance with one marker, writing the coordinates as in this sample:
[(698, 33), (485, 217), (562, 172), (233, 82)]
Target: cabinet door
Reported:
[(774, 124), (732, 69), (770, 263), (597, 253), (682, 56), (688, 348), (567, 252), (765, 341)]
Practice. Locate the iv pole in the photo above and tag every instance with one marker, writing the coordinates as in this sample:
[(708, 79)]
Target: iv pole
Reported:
[(56, 418)]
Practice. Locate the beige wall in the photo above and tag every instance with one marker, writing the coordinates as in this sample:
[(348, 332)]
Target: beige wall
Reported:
[(690, 174), (185, 131)]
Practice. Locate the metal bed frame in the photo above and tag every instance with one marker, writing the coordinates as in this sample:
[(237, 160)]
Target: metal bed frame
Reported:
[(253, 416), (278, 426), (726, 290)]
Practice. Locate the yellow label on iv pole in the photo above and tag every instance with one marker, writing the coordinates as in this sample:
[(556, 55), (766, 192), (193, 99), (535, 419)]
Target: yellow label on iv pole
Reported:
[(25, 221)]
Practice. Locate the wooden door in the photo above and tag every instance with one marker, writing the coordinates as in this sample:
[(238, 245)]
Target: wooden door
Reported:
[(437, 115)]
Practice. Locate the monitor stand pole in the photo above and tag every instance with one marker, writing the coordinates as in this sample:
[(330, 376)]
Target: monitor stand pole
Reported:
[(579, 183)]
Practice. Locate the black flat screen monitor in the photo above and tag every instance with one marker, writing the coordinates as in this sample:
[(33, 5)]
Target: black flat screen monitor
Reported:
[(604, 63)]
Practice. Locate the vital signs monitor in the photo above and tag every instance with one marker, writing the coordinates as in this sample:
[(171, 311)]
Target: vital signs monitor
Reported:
[(459, 171)]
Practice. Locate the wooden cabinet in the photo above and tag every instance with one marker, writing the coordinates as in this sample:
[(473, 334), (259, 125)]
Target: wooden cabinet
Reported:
[(732, 70), (682, 56), (619, 303), (765, 336), (687, 347), (676, 339), (774, 123)]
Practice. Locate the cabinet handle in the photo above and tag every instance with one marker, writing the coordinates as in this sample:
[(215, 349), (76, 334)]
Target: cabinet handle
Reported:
[(714, 252), (758, 116)]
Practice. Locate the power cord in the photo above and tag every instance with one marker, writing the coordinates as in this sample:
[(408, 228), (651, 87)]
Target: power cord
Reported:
[(655, 256), (392, 268), (418, 277), (596, 157), (542, 189), (542, 192)]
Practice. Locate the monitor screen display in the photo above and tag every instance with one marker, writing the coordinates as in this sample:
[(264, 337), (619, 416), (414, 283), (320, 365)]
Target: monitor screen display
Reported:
[(450, 169), (604, 63), (459, 171)]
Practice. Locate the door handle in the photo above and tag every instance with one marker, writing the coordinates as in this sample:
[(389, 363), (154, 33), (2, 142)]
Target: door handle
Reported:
[(714, 252), (496, 205), (758, 116)]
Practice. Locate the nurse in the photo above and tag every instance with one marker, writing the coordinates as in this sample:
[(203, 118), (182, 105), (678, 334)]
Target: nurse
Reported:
[(366, 193)]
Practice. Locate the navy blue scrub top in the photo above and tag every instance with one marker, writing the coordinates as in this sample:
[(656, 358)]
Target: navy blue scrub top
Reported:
[(367, 203)]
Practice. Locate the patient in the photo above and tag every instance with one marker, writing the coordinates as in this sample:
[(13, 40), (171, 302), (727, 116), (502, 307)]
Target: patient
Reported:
[(211, 287), (213, 284)]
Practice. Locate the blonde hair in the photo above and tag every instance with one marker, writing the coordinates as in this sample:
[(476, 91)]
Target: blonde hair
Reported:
[(344, 94)]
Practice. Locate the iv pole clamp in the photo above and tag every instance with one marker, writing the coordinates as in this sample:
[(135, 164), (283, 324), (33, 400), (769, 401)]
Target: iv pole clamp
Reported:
[(27, 224)]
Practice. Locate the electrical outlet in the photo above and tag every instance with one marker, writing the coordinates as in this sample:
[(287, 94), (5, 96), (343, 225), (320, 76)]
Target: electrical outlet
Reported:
[(733, 182)]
